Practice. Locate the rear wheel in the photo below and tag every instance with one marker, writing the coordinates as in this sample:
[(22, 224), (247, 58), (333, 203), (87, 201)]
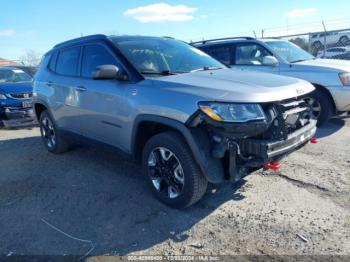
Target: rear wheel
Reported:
[(50, 135), (321, 106), (172, 172), (317, 45)]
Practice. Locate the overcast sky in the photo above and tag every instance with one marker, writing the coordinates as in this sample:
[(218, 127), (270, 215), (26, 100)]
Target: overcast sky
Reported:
[(39, 24)]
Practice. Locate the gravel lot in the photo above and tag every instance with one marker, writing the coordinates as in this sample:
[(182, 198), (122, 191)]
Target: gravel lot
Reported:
[(97, 196)]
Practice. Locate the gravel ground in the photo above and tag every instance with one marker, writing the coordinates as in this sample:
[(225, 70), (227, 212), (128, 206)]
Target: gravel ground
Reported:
[(97, 196)]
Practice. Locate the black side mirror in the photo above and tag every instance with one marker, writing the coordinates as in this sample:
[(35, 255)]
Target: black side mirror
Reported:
[(108, 72)]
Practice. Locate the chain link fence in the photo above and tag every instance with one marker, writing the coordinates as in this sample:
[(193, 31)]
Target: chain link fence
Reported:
[(333, 44)]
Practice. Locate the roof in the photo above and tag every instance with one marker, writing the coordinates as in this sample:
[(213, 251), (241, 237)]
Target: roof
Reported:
[(103, 37), (228, 40), (222, 40)]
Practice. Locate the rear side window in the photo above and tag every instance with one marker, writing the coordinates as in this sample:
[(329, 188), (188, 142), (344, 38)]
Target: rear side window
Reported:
[(94, 56), (68, 61), (53, 60), (221, 53)]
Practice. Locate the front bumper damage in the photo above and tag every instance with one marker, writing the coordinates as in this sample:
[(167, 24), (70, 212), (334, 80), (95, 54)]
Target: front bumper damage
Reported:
[(234, 150)]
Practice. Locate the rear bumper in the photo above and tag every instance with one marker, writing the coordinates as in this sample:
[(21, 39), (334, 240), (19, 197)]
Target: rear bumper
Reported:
[(269, 150)]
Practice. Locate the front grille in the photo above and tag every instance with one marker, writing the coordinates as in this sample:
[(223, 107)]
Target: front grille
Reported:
[(20, 96), (286, 117)]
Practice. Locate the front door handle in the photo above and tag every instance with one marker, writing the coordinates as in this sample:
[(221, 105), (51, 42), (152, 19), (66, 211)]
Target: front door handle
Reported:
[(49, 83), (81, 88)]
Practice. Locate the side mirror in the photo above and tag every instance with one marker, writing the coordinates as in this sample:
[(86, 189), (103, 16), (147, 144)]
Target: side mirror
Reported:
[(108, 72), (270, 61)]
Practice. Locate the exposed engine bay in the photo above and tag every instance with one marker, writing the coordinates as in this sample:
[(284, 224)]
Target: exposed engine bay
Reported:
[(245, 147)]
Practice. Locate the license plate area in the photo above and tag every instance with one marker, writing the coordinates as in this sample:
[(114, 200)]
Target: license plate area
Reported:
[(27, 104)]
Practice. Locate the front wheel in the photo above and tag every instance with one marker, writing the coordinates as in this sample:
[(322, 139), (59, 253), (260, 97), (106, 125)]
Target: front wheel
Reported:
[(172, 172), (320, 105)]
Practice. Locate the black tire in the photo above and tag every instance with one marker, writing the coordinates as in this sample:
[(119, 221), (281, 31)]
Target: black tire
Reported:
[(325, 103), (317, 45), (344, 40), (60, 144), (194, 185)]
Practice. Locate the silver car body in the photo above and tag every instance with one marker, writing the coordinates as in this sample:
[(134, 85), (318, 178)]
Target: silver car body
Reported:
[(109, 104)]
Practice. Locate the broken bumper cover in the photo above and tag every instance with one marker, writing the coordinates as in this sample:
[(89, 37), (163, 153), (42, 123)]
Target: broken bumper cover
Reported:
[(269, 150)]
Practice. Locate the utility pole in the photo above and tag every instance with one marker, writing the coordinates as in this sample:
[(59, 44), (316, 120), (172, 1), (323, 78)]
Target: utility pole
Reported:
[(324, 39)]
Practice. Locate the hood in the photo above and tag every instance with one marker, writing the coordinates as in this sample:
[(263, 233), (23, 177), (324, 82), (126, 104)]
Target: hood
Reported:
[(231, 85), (327, 64), (16, 88)]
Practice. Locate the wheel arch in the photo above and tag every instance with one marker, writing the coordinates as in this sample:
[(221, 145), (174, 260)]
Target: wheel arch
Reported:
[(38, 109), (147, 126), (328, 93)]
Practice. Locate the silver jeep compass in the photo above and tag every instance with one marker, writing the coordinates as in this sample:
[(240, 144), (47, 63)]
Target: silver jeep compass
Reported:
[(185, 116)]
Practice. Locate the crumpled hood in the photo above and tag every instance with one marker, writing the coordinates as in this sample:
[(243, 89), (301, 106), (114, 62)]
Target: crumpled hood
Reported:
[(327, 64), (16, 88), (232, 85)]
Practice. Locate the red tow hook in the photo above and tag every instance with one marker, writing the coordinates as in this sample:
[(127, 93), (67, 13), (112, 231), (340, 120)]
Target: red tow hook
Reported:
[(273, 165), (314, 140)]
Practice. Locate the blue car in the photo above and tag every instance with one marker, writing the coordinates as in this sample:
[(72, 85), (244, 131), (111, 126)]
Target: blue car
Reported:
[(15, 93)]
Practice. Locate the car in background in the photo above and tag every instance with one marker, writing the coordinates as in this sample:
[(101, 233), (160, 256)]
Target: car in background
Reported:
[(30, 70), (15, 93), (185, 116), (320, 40), (334, 52), (330, 77)]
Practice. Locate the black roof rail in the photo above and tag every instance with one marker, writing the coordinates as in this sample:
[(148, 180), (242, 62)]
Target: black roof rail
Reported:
[(80, 39), (223, 39)]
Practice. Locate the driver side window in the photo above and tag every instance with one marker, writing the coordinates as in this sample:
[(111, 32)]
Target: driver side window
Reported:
[(94, 56), (250, 54)]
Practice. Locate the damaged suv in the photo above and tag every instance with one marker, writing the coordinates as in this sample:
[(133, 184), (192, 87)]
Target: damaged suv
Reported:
[(185, 116)]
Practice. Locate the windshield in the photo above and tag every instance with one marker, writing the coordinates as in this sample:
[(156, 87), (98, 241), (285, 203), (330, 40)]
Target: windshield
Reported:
[(289, 51), (14, 75), (165, 56)]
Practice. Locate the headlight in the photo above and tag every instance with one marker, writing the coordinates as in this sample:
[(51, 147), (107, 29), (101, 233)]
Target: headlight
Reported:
[(2, 96), (225, 112), (345, 78)]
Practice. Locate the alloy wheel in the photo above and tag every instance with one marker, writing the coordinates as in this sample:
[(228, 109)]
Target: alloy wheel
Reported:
[(166, 172), (48, 132), (315, 107)]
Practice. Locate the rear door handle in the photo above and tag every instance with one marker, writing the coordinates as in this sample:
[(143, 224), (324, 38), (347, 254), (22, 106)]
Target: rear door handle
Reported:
[(49, 83), (81, 88)]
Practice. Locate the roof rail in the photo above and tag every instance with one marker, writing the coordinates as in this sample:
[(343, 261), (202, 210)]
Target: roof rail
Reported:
[(79, 39), (223, 39)]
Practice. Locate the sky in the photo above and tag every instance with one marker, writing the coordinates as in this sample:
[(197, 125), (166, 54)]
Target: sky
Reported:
[(40, 24)]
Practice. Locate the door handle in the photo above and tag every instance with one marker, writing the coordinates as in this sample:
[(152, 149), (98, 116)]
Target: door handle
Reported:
[(81, 88), (49, 83)]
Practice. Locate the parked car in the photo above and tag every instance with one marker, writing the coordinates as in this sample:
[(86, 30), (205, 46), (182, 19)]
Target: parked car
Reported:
[(15, 93), (318, 40), (30, 70), (185, 116), (333, 52), (330, 77)]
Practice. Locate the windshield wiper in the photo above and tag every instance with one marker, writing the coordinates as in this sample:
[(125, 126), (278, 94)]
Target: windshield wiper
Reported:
[(300, 60), (162, 73), (206, 68)]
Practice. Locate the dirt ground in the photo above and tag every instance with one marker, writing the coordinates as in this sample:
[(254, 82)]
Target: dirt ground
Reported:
[(92, 200)]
